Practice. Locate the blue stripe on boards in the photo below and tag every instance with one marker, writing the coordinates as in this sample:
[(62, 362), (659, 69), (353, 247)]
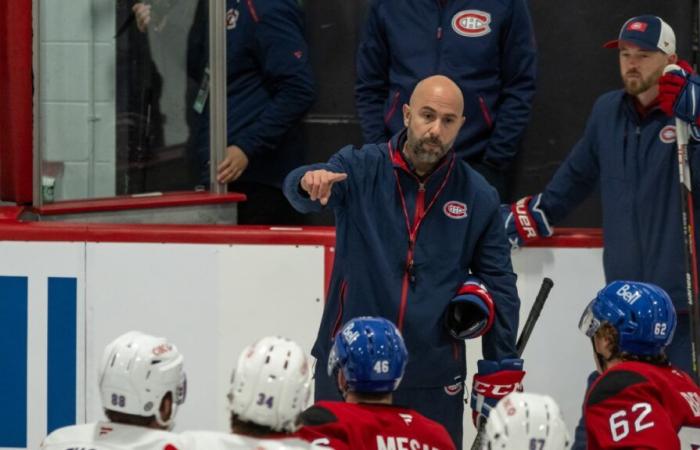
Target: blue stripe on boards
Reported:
[(13, 361), (62, 353)]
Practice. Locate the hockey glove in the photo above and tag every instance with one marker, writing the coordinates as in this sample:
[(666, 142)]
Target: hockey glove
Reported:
[(470, 313), (679, 93), (525, 221), (495, 380)]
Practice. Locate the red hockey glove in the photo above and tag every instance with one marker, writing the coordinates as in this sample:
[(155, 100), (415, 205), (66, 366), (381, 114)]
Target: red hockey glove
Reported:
[(470, 313), (524, 221), (495, 380), (671, 86)]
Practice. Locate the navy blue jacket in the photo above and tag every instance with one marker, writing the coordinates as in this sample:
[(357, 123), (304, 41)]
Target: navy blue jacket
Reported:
[(460, 231), (494, 64), (633, 161), (270, 85)]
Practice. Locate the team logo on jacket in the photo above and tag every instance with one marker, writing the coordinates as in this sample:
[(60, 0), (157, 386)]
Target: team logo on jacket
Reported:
[(455, 210), (453, 389), (667, 135), (471, 23)]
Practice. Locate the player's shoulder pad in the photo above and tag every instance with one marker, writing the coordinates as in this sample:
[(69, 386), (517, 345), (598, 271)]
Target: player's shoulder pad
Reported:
[(612, 383), (317, 415)]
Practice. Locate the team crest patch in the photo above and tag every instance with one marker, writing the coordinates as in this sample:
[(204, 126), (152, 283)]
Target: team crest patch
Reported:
[(455, 210), (453, 389), (667, 135), (471, 23)]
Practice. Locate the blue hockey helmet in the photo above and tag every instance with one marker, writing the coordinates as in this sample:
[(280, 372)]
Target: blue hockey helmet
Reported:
[(371, 353), (642, 314)]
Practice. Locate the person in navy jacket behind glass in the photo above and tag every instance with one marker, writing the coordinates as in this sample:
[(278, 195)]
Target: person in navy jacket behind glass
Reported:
[(270, 87), (486, 46), (418, 232)]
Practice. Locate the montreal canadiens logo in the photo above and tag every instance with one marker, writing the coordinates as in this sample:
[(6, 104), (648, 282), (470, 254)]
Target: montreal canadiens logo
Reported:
[(667, 135), (471, 23), (453, 389), (455, 210)]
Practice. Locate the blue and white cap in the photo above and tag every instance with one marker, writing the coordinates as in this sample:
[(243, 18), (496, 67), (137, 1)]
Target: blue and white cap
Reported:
[(648, 32)]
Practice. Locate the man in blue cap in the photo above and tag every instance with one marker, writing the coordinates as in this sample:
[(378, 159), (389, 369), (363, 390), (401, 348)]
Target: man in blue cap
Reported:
[(628, 152)]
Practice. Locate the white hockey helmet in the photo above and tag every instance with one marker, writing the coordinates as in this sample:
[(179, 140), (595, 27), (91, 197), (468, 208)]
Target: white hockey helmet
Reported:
[(137, 371), (270, 384), (522, 421)]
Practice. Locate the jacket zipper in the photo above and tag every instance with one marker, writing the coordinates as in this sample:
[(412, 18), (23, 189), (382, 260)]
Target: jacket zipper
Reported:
[(409, 275), (485, 112), (392, 108), (420, 212), (341, 307)]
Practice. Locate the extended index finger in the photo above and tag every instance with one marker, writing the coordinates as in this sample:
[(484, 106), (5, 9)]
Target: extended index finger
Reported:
[(337, 176)]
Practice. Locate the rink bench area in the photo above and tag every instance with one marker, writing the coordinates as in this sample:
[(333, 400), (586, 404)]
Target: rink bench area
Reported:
[(66, 289)]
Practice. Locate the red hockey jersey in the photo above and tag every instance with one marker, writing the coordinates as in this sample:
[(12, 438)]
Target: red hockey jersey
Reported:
[(372, 427), (636, 405)]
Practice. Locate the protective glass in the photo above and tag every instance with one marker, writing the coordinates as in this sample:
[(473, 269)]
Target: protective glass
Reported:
[(589, 324)]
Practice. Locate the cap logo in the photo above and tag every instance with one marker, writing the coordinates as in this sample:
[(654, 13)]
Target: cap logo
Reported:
[(637, 26), (667, 135), (471, 23), (455, 210)]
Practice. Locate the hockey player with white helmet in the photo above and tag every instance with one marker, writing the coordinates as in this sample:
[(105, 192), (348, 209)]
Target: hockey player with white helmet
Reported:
[(523, 421), (141, 383), (269, 389)]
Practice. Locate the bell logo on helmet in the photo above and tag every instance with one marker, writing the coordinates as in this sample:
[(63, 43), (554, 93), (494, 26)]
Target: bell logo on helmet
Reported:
[(350, 335), (629, 297), (471, 23)]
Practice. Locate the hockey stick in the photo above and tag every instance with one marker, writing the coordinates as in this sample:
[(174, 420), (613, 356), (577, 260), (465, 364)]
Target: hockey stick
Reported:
[(532, 317), (688, 223)]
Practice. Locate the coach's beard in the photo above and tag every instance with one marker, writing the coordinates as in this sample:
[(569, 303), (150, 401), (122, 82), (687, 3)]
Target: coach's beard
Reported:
[(635, 85)]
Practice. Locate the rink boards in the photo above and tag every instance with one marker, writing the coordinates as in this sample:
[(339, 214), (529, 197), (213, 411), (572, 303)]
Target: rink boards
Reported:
[(61, 302)]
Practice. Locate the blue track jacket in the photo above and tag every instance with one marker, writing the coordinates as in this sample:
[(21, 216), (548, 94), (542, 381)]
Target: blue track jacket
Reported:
[(633, 161), (270, 85), (487, 47), (404, 247)]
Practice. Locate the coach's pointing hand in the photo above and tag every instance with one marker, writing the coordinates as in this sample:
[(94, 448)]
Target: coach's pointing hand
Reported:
[(318, 184)]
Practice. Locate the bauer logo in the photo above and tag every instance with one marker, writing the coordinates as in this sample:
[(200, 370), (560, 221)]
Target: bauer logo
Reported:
[(471, 23), (667, 135), (455, 210)]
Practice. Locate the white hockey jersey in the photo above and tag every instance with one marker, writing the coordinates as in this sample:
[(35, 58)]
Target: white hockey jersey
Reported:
[(211, 440), (111, 436)]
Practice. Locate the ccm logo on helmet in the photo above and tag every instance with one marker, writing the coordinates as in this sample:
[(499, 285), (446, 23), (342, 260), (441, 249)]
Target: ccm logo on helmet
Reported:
[(471, 23), (455, 210), (667, 135)]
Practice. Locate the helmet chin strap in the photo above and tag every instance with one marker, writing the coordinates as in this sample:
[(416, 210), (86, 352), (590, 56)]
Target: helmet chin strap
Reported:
[(601, 360)]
